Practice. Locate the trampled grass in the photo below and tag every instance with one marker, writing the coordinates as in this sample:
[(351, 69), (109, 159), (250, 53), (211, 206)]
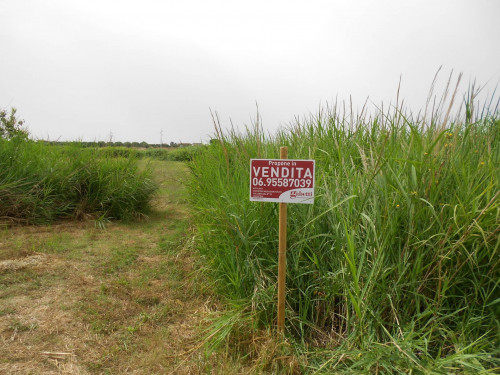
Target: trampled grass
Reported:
[(396, 266)]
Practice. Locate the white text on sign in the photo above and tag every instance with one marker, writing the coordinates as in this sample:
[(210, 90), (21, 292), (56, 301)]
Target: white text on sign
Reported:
[(287, 181)]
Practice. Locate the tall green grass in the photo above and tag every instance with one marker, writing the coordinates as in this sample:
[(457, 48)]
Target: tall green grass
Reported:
[(40, 183), (396, 266)]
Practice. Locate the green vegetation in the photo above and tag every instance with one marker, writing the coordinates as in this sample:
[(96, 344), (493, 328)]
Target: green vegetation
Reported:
[(396, 266), (79, 299), (40, 183), (11, 126), (134, 145), (394, 269), (172, 154)]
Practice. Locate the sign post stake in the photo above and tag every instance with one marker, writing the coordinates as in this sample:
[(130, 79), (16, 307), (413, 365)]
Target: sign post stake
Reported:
[(285, 181), (282, 256)]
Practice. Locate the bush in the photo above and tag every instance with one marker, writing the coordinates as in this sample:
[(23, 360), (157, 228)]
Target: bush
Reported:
[(10, 126), (184, 153)]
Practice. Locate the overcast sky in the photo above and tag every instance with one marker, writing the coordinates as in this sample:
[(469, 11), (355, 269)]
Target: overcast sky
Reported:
[(85, 69)]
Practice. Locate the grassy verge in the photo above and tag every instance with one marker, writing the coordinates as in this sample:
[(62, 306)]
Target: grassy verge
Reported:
[(394, 269)]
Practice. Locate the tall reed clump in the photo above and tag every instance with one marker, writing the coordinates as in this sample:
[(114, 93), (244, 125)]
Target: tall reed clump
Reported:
[(396, 266), (40, 183)]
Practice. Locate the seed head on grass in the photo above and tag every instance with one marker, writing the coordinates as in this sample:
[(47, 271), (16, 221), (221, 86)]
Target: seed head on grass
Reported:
[(378, 282)]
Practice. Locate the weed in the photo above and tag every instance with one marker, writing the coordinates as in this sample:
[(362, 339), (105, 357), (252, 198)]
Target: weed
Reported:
[(7, 311), (119, 259), (17, 326)]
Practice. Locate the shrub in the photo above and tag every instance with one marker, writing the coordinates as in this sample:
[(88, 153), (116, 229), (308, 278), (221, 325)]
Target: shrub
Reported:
[(10, 126)]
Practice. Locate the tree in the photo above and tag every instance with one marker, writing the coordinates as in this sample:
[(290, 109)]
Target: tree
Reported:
[(10, 126)]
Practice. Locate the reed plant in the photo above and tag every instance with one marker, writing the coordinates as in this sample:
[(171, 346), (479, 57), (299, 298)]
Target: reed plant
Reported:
[(396, 266), (40, 183)]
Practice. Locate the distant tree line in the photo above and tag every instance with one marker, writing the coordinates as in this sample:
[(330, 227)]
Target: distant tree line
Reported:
[(120, 144)]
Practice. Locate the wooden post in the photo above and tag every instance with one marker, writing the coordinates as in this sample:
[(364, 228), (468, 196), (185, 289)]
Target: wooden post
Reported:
[(282, 257)]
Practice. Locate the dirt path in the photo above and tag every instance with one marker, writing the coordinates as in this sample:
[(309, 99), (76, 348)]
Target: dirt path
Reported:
[(76, 299)]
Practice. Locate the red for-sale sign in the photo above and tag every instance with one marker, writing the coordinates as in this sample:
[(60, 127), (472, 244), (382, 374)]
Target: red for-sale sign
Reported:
[(282, 180)]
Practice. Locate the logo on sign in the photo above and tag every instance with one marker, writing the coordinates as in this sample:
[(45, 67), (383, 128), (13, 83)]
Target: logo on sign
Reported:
[(282, 180), (300, 194)]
